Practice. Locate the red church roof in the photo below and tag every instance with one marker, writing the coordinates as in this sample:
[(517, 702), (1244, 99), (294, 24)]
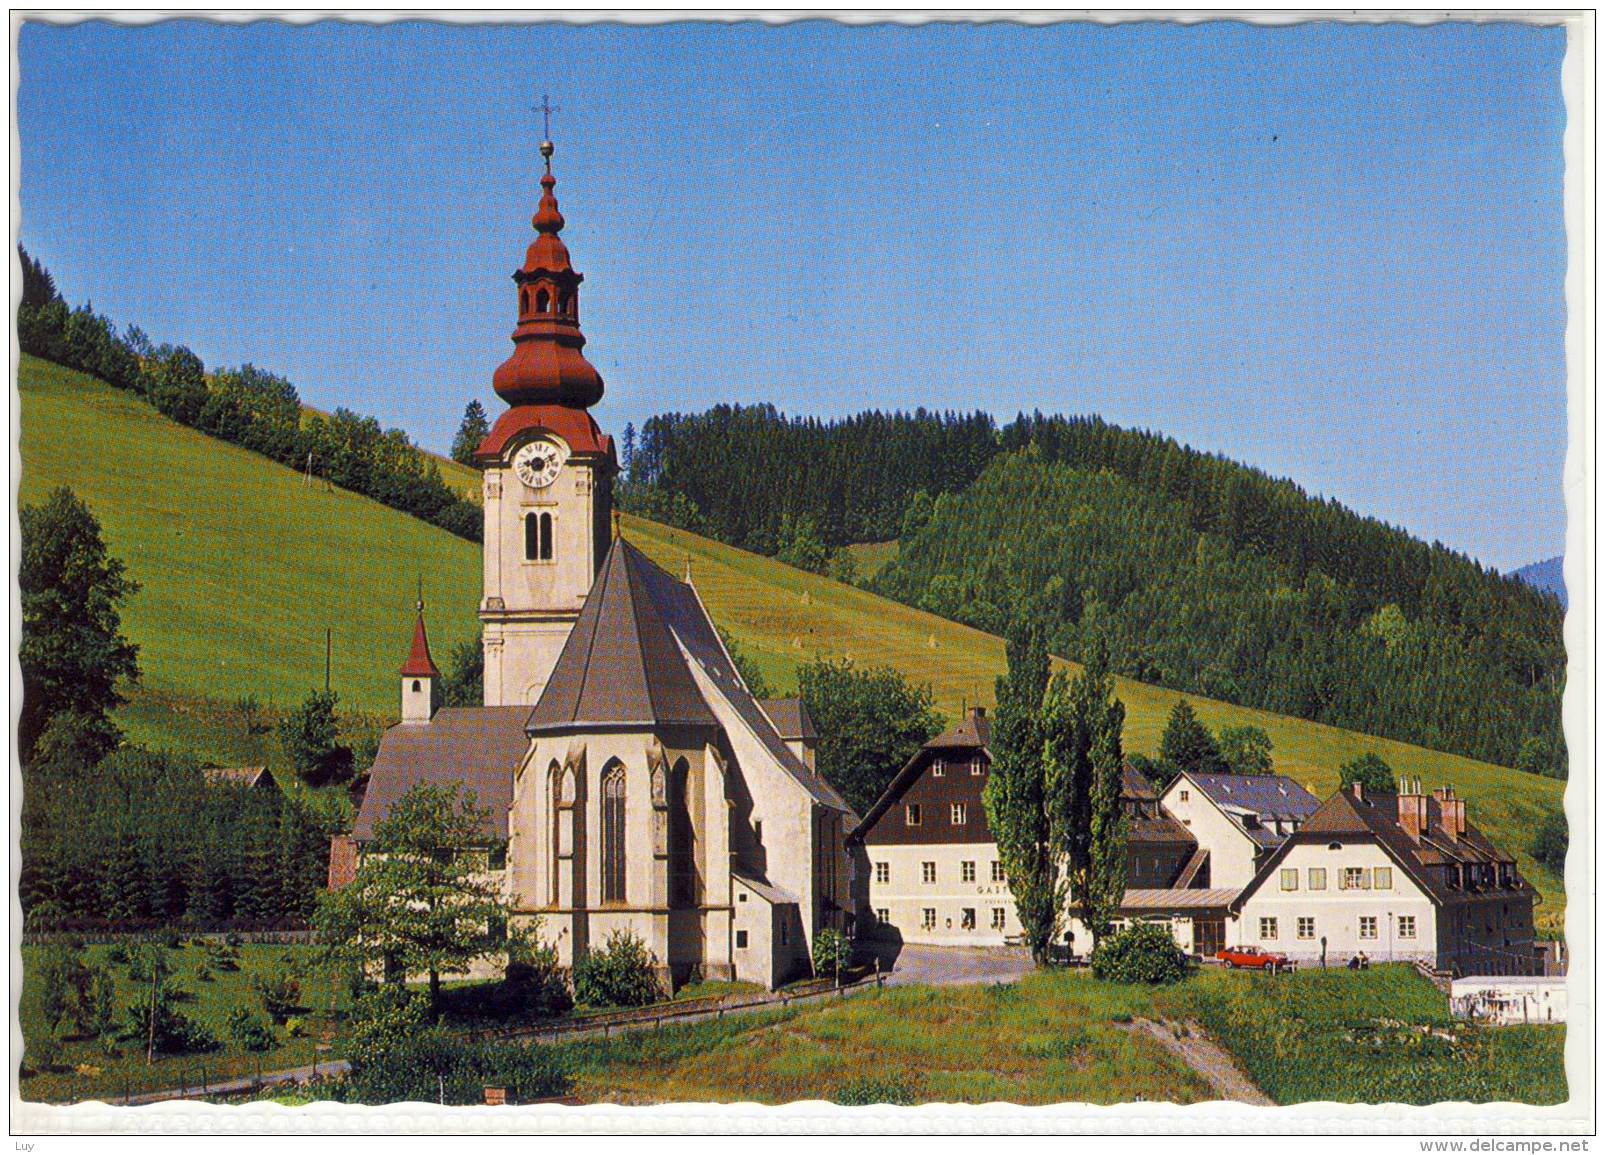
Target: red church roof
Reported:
[(419, 663)]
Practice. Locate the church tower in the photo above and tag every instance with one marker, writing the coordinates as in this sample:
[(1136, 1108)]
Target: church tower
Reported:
[(548, 473)]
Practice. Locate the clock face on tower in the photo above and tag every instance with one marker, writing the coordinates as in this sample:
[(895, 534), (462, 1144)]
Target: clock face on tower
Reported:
[(537, 464)]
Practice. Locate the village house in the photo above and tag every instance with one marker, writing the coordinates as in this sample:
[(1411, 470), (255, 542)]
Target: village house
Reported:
[(630, 780), (934, 876), (1396, 877), (1239, 818)]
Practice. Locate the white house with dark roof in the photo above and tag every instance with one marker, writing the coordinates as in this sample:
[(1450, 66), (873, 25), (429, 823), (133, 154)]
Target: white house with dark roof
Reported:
[(1397, 877), (1237, 818)]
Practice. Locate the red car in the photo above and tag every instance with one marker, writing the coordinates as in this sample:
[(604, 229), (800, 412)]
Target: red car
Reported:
[(1251, 956)]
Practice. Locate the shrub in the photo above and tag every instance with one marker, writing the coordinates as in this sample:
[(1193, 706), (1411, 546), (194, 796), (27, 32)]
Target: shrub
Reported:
[(117, 954), (621, 974), (175, 1033), (433, 1065), (43, 1053), (1144, 952), (280, 993), (870, 1091), (1550, 844), (295, 1027), (250, 1030), (832, 953), (533, 985)]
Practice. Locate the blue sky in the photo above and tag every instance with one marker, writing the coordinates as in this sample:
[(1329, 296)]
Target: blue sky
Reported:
[(1335, 252)]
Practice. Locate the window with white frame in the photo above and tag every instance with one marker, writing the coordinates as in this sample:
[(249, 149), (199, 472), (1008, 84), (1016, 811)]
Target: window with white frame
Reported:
[(1290, 878), (1382, 878), (967, 918), (883, 872), (937, 769), (1368, 926), (1356, 878), (1306, 926), (959, 813), (1183, 796), (1267, 928), (882, 915), (975, 768), (966, 872), (1317, 877), (928, 918), (997, 872), (911, 814), (998, 916), (741, 940), (927, 872), (1407, 926)]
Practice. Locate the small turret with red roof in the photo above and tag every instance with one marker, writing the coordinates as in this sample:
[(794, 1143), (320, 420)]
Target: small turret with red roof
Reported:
[(420, 680)]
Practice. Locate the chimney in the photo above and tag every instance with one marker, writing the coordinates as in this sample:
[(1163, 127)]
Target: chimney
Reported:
[(1358, 789), (1412, 809), (977, 711), (1452, 812)]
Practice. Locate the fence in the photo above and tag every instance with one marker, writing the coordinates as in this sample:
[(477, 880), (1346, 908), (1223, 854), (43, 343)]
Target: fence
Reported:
[(197, 1085), (90, 934)]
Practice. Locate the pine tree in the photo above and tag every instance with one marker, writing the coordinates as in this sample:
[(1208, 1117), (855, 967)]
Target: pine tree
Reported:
[(474, 429), (1187, 745), (629, 450)]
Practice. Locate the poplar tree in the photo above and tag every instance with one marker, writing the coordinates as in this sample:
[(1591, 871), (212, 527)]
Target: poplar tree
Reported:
[(1081, 723), (1016, 796)]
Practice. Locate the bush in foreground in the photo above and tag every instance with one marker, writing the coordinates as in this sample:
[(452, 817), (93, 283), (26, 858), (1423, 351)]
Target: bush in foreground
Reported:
[(621, 974), (832, 953), (871, 1091), (1144, 952)]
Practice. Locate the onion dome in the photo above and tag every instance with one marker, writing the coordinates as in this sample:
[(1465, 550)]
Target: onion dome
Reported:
[(547, 367)]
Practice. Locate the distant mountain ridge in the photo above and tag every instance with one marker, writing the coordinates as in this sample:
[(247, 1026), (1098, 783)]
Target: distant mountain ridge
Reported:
[(1548, 575)]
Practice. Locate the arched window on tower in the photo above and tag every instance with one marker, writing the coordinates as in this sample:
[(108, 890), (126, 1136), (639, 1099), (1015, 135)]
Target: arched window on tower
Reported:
[(523, 300), (613, 834), (565, 303), (538, 543), (543, 301)]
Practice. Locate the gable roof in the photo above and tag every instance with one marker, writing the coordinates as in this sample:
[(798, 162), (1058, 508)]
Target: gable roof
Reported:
[(247, 776), (972, 733), (791, 719), (478, 746), (621, 665), (1272, 797), (625, 665), (1374, 817)]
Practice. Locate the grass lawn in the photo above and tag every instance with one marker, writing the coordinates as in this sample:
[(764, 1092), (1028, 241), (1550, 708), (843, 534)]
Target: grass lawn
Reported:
[(87, 1072), (1058, 1036), (243, 566), (1358, 1037), (1050, 1038)]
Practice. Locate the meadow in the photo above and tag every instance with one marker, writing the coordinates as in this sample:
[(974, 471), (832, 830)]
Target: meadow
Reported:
[(87, 1071), (243, 566), (1065, 1036)]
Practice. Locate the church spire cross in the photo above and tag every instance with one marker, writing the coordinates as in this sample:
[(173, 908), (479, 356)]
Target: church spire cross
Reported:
[(546, 108)]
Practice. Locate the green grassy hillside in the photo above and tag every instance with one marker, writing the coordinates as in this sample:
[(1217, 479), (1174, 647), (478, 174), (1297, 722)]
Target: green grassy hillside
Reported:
[(242, 567)]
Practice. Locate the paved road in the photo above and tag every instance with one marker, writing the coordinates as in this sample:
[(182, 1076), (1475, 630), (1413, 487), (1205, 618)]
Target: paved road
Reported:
[(954, 965)]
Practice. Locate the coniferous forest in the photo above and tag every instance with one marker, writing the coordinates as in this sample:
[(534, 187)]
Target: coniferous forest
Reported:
[(1198, 573)]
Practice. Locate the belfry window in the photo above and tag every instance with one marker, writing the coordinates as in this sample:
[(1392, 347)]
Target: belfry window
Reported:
[(613, 834), (543, 301), (538, 537)]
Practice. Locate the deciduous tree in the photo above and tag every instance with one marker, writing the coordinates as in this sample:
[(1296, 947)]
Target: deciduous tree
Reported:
[(421, 901), (870, 723)]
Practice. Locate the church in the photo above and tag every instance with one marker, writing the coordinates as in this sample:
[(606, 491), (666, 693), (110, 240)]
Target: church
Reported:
[(634, 781)]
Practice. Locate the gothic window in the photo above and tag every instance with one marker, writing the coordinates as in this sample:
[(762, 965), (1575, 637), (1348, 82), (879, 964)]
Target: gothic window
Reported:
[(685, 887), (613, 834), (554, 785), (546, 537), (543, 301)]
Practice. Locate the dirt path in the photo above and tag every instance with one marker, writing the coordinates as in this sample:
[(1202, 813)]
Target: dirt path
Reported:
[(1218, 1068)]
